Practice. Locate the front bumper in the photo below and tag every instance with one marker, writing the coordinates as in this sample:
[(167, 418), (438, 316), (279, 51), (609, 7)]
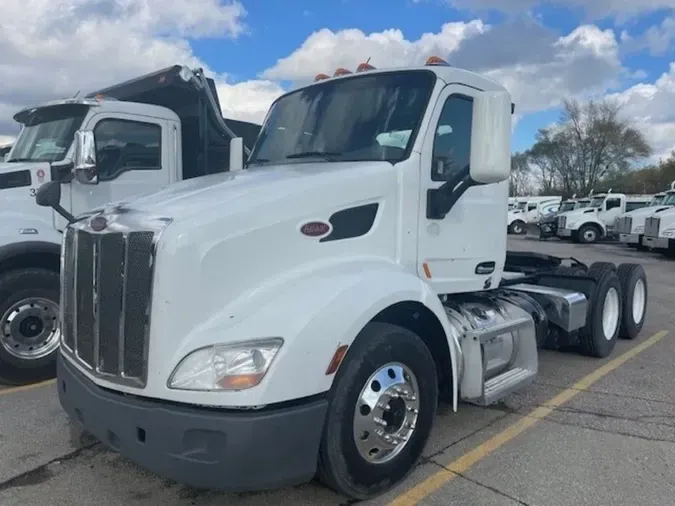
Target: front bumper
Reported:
[(656, 242), (630, 238), (564, 232), (203, 447)]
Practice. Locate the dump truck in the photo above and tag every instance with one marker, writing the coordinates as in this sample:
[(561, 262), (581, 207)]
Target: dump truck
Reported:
[(147, 132), (303, 314)]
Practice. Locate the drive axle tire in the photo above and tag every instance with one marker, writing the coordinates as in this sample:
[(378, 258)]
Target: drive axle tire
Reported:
[(381, 410), (634, 299), (29, 325), (603, 318)]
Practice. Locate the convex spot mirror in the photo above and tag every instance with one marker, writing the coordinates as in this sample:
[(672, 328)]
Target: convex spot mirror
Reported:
[(491, 137), (84, 157)]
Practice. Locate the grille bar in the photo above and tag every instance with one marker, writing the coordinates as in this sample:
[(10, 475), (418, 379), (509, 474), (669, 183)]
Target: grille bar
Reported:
[(106, 296), (652, 226)]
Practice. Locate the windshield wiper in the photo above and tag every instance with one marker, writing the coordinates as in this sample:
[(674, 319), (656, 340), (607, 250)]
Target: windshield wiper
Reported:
[(326, 155)]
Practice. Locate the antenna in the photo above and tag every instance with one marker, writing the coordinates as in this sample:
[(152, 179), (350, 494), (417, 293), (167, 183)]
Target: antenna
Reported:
[(76, 94)]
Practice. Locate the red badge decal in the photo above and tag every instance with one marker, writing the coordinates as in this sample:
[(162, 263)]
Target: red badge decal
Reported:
[(315, 228)]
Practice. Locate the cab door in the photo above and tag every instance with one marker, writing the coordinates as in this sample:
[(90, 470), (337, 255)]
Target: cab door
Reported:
[(133, 157), (462, 251)]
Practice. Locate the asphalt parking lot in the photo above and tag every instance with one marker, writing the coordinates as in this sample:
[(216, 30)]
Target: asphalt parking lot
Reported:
[(588, 432)]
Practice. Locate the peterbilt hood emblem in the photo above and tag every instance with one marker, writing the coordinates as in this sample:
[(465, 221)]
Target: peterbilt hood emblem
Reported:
[(98, 223)]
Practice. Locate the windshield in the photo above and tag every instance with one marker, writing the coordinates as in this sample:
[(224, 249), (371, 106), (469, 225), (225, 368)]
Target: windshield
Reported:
[(48, 133), (669, 200), (521, 205), (597, 202), (566, 206), (581, 204), (361, 118), (657, 200)]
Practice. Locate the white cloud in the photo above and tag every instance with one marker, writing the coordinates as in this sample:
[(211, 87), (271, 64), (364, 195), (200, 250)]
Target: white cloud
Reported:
[(657, 39), (650, 107), (248, 100), (53, 48), (538, 67), (325, 50)]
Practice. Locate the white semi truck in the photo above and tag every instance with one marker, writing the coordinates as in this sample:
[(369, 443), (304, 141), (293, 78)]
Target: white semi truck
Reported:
[(305, 315), (147, 133), (659, 227), (630, 226), (595, 222)]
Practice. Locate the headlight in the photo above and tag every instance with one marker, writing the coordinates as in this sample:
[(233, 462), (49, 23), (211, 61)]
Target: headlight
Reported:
[(571, 224), (235, 366), (640, 229), (669, 232)]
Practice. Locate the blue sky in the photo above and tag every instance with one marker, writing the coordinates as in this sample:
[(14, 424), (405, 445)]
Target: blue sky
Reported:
[(541, 50), (276, 29)]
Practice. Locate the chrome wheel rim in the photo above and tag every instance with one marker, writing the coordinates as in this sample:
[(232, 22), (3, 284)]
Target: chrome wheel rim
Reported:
[(30, 328), (386, 412)]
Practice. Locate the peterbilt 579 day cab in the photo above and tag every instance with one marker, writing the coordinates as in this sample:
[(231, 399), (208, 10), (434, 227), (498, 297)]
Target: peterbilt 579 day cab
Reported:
[(147, 133), (590, 224), (304, 316), (630, 226), (548, 224)]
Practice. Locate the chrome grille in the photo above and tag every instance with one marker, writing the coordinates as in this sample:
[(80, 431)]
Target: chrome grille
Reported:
[(105, 300), (562, 221), (652, 226), (624, 225)]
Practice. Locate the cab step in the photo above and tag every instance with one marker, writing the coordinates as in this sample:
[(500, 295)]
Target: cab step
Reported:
[(521, 370)]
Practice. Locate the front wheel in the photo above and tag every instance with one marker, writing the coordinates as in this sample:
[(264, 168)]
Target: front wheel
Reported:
[(518, 228), (589, 234), (29, 325), (382, 406)]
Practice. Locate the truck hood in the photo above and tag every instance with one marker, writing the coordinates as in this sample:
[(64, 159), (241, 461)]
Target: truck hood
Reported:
[(578, 213), (234, 192), (643, 212)]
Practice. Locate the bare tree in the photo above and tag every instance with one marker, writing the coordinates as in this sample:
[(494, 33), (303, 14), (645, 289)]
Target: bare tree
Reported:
[(589, 143), (519, 181)]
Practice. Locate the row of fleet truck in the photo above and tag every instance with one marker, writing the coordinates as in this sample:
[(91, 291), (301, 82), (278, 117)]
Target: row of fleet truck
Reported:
[(639, 221), (292, 307)]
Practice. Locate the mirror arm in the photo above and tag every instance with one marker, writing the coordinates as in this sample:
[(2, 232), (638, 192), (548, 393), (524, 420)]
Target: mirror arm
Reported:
[(69, 217), (442, 199)]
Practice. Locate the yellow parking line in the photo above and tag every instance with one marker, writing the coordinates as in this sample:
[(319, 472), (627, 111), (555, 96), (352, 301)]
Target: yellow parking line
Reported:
[(23, 388), (417, 493)]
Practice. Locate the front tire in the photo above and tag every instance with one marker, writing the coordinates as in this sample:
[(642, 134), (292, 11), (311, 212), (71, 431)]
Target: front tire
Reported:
[(382, 407), (518, 228), (29, 325), (589, 234)]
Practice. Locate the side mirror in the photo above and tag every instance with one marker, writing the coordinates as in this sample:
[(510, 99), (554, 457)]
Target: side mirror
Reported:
[(84, 157), (236, 154), (491, 137), (49, 195)]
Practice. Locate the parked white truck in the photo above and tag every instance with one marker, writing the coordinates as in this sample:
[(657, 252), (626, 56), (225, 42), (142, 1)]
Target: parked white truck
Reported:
[(305, 315), (659, 226), (630, 226), (147, 133), (595, 222), (531, 211)]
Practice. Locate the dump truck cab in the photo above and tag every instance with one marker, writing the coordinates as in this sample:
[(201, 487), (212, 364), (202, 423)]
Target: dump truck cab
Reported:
[(146, 133)]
